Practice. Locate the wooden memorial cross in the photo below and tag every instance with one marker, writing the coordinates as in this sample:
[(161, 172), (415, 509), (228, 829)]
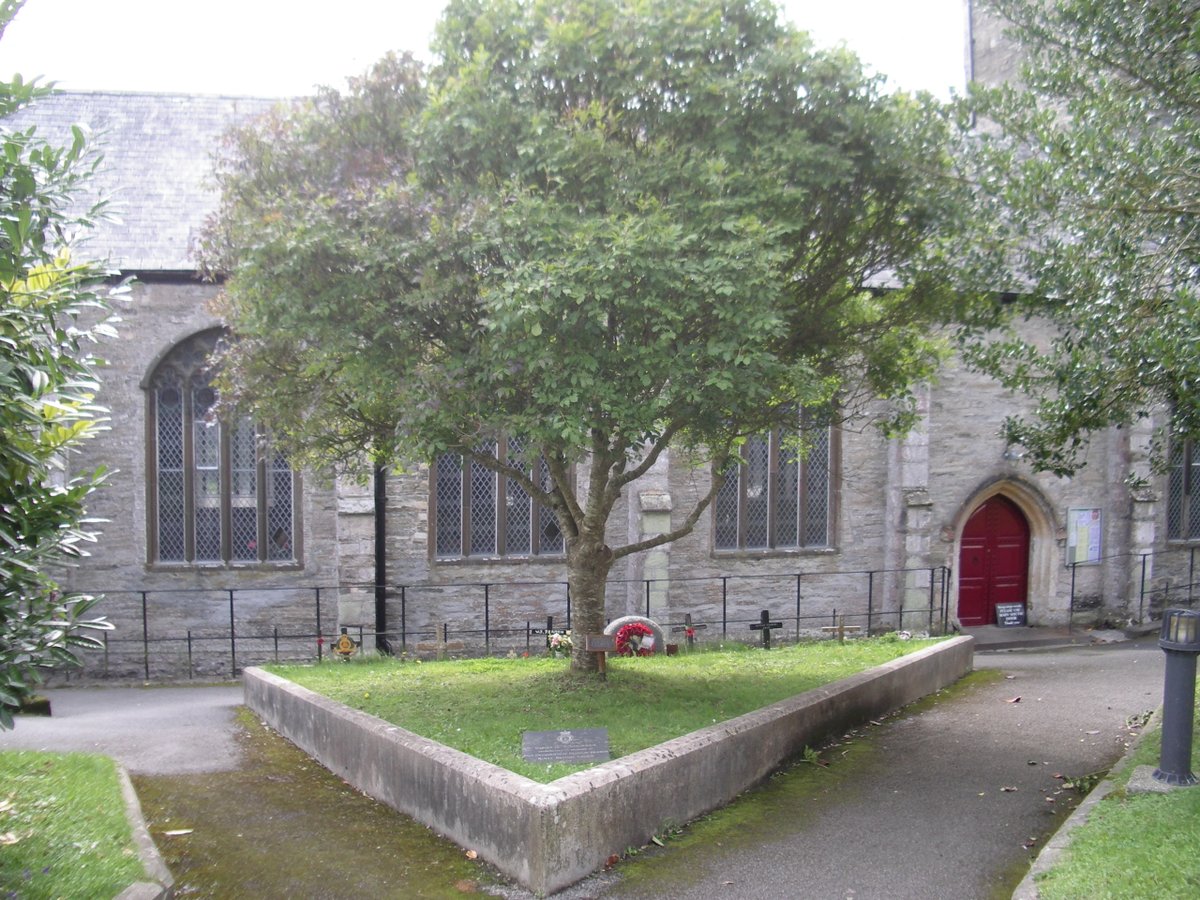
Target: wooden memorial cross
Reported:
[(765, 625), (841, 628), (689, 630)]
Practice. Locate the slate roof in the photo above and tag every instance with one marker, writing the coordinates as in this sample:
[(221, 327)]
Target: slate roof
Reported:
[(158, 151)]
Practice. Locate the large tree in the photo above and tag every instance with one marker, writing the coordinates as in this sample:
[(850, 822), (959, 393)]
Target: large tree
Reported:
[(1089, 168), (47, 384), (606, 227)]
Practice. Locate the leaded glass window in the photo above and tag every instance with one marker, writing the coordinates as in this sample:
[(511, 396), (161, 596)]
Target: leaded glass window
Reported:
[(447, 499), (478, 513), (484, 492), (1183, 486), (775, 497), (219, 493)]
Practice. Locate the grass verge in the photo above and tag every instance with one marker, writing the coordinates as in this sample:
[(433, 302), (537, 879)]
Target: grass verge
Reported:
[(63, 831), (482, 706), (1134, 846)]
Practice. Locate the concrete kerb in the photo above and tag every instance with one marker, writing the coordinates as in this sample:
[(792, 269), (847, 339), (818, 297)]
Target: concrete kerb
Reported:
[(548, 836), (163, 884)]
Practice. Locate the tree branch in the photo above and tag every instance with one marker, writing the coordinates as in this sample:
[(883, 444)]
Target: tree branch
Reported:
[(718, 481), (648, 459)]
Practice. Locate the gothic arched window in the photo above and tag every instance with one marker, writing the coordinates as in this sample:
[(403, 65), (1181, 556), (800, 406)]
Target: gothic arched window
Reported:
[(218, 492)]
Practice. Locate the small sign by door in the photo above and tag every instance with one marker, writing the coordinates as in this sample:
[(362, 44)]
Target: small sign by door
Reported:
[(1010, 614)]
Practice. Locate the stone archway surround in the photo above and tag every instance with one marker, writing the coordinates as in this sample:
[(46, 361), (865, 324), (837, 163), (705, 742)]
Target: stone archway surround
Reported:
[(1043, 545)]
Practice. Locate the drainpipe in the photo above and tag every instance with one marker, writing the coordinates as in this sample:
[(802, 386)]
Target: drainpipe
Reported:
[(381, 641)]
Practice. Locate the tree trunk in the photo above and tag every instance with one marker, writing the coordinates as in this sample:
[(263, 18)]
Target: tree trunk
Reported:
[(588, 562)]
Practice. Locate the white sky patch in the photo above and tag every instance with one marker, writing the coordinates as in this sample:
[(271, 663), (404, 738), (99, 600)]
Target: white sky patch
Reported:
[(287, 47)]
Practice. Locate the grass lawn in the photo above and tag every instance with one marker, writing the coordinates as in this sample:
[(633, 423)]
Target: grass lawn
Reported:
[(1134, 846), (482, 706), (63, 831)]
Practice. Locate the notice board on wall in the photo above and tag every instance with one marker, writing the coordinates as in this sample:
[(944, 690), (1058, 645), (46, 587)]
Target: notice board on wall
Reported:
[(1083, 535)]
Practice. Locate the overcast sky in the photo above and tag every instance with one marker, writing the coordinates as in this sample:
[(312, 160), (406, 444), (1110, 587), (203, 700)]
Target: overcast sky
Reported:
[(286, 47)]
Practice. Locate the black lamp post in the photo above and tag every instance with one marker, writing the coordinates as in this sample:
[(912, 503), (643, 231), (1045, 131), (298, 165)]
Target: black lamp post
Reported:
[(1180, 640)]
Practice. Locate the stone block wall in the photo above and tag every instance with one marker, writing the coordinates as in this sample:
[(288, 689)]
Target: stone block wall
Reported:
[(992, 57), (969, 461), (180, 599), (898, 507)]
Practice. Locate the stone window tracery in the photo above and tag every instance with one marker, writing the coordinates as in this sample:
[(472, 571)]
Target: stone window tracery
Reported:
[(479, 513), (776, 498), (219, 493)]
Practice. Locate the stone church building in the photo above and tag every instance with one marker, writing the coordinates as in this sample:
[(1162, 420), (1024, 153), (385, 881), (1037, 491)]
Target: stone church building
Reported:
[(214, 552)]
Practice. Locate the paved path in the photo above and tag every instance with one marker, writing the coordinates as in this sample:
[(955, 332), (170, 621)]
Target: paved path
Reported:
[(150, 730), (921, 812), (918, 809)]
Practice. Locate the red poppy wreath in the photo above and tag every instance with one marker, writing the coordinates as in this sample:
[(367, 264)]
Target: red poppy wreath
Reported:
[(631, 640)]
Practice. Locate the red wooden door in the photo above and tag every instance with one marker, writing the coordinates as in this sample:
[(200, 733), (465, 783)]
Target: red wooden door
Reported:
[(994, 564)]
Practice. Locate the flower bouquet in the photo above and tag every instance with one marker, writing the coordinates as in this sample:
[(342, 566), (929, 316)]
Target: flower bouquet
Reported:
[(558, 643)]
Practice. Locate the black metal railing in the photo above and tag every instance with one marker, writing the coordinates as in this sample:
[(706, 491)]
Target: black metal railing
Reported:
[(862, 603), (215, 633), (1165, 578)]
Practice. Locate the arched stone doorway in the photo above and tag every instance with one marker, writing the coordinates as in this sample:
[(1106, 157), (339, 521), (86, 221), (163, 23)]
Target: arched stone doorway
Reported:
[(1044, 590), (993, 560)]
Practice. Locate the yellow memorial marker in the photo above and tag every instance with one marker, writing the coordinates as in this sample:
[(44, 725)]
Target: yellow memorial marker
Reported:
[(345, 646)]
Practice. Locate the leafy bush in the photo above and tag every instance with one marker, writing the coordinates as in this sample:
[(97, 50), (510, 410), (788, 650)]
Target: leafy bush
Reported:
[(47, 386)]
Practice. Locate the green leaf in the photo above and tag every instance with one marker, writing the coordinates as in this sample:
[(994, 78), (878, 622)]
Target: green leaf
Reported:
[(47, 387)]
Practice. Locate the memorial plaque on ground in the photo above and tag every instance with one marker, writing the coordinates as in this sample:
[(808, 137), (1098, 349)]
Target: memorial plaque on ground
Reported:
[(1010, 614), (575, 745)]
